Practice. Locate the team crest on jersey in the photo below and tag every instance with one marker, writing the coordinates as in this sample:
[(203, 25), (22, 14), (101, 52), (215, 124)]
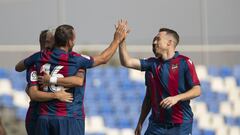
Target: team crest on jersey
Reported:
[(174, 66), (33, 76)]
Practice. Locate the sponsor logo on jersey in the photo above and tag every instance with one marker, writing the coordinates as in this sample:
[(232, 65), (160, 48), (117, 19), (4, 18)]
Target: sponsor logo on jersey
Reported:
[(33, 76), (174, 66)]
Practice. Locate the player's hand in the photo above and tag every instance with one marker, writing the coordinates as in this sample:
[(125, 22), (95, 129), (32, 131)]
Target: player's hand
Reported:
[(44, 80), (121, 30), (138, 130), (169, 102), (64, 96)]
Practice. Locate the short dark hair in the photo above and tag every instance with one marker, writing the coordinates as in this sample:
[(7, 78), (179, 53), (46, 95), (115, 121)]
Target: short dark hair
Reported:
[(42, 38), (171, 32), (63, 34)]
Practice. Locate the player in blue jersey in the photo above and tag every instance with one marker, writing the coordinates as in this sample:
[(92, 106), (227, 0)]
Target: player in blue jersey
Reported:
[(46, 42), (175, 84), (56, 117)]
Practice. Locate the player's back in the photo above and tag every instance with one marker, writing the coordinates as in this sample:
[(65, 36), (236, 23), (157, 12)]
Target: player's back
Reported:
[(59, 63)]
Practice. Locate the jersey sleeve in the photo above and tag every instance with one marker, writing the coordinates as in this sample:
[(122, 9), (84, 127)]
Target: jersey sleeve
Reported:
[(31, 76), (84, 61), (31, 60), (190, 74), (145, 64)]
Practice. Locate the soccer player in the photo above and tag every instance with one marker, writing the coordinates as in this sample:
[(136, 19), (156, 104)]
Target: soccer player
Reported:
[(61, 118), (176, 84), (46, 42)]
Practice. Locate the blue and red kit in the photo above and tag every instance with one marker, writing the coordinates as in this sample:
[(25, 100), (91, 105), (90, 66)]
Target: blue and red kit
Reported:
[(59, 63), (170, 78)]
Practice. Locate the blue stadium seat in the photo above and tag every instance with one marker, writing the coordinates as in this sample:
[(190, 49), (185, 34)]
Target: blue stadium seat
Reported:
[(238, 121), (222, 97), (238, 81), (208, 132), (206, 90), (123, 122), (15, 77), (3, 73), (119, 109), (6, 101), (236, 71), (91, 108), (122, 72), (115, 94), (213, 106), (110, 122), (105, 109), (109, 72), (225, 71), (208, 96), (231, 121), (21, 113), (196, 131), (19, 85), (129, 96), (89, 95), (133, 109), (102, 96), (95, 134), (213, 71), (236, 74)]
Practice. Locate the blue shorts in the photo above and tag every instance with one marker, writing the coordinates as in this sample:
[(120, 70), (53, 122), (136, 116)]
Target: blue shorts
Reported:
[(30, 126), (169, 129), (53, 125), (30, 122)]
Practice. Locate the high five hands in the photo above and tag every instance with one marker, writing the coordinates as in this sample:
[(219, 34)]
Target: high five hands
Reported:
[(121, 30)]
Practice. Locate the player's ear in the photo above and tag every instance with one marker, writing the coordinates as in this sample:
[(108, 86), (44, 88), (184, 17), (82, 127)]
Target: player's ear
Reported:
[(169, 43), (69, 43)]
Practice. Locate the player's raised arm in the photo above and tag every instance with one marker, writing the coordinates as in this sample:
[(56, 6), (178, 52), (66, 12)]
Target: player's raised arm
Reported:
[(126, 60), (119, 35)]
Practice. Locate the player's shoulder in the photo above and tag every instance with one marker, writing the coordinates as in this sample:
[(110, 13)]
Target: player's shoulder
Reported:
[(40, 53), (45, 52), (37, 53), (186, 59), (75, 54), (183, 57), (152, 59)]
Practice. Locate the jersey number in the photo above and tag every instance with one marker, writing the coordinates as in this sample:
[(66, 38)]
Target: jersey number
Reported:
[(53, 73)]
